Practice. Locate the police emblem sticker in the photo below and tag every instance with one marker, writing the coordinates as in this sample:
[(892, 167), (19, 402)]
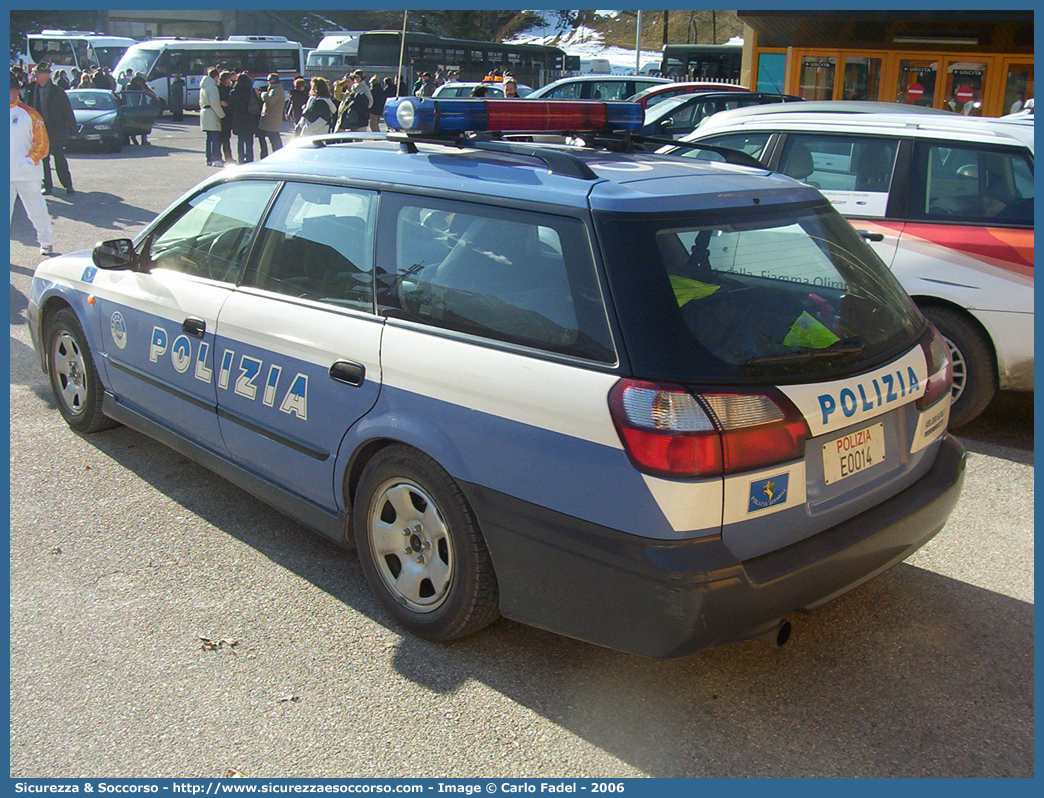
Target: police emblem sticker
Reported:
[(118, 328), (88, 274), (765, 493)]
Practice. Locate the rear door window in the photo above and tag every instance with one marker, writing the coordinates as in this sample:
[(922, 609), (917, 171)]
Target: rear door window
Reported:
[(853, 172), (972, 184), (522, 278)]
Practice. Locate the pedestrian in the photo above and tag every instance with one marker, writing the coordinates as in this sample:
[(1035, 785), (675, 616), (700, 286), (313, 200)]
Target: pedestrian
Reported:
[(28, 150), (319, 114), (141, 86), (353, 112), (57, 113), (360, 86), (177, 97), (210, 115), (478, 91), (108, 80), (427, 85), (246, 114), (85, 80), (273, 102), (63, 81), (378, 98), (298, 100), (225, 90), (510, 89), (390, 90)]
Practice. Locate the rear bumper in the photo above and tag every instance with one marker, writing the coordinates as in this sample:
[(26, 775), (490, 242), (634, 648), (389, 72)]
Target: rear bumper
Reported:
[(665, 599)]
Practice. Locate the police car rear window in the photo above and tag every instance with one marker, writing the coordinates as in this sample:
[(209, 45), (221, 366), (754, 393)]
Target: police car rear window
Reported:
[(742, 296), (519, 277)]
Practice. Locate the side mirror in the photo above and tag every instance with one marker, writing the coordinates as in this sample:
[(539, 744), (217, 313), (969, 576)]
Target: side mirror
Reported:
[(115, 254), (665, 124)]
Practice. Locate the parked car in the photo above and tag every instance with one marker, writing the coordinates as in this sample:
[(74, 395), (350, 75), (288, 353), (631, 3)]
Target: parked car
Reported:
[(464, 88), (946, 201), (652, 404), (596, 87), (108, 119), (678, 116), (657, 94)]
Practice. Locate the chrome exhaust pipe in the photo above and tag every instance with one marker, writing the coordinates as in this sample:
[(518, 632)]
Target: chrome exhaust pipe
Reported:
[(778, 635)]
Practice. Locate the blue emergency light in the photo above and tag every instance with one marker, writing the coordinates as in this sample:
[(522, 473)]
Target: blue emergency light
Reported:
[(427, 116)]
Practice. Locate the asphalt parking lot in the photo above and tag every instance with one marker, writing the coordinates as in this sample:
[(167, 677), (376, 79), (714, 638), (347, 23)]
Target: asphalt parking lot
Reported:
[(165, 623)]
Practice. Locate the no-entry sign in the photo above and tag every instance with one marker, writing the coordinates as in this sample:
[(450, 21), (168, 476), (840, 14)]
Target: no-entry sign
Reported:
[(915, 91), (964, 94)]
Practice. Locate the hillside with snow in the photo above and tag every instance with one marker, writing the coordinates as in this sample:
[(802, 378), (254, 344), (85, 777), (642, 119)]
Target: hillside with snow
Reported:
[(554, 28)]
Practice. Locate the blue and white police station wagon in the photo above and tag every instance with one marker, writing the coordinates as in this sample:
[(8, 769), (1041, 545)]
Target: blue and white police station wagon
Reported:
[(650, 402)]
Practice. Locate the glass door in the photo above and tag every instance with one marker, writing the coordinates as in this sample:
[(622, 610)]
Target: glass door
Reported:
[(965, 85), (1018, 85), (916, 83)]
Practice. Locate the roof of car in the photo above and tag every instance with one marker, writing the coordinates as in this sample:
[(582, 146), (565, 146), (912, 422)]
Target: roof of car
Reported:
[(930, 124), (622, 182), (694, 85), (600, 79)]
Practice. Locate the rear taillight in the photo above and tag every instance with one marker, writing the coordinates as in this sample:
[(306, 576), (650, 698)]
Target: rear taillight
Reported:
[(940, 368), (668, 431)]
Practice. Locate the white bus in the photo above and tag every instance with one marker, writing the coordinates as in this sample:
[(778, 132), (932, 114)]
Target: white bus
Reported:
[(160, 59), (68, 49)]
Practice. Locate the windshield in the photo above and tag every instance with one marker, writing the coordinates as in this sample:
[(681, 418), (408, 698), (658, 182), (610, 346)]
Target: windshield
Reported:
[(109, 56), (137, 59), (751, 294), (91, 100)]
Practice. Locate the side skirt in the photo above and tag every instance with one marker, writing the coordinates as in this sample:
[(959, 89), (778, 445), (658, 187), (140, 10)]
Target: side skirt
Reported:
[(330, 525)]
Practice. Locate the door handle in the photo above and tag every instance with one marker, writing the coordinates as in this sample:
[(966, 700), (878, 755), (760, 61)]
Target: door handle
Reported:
[(197, 328), (346, 371), (871, 236)]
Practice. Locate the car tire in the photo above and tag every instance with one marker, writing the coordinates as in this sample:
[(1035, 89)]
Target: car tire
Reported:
[(74, 378), (974, 363), (420, 547)]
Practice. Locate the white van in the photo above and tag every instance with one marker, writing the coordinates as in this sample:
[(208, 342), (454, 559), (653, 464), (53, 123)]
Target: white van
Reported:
[(595, 66)]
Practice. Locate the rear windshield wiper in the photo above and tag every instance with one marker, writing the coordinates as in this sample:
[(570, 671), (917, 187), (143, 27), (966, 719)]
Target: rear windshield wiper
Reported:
[(849, 346)]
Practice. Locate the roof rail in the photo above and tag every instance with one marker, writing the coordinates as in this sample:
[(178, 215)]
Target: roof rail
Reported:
[(558, 162)]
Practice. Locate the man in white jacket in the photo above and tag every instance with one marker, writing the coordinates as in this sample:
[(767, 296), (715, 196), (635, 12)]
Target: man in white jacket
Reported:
[(29, 146), (210, 115)]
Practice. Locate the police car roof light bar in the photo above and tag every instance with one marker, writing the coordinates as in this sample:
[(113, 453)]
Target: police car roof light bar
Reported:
[(433, 117)]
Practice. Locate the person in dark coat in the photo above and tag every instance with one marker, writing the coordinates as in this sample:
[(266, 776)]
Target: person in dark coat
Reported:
[(177, 97), (298, 100), (58, 117), (377, 107), (225, 92), (246, 114)]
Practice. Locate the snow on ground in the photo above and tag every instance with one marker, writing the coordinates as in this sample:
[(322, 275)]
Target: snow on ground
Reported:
[(587, 43)]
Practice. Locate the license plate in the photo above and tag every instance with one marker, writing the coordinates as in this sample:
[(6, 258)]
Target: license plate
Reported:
[(93, 137), (855, 452)]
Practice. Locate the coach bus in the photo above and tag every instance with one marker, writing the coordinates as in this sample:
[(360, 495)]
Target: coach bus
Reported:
[(720, 62), (160, 59), (70, 49), (378, 52)]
